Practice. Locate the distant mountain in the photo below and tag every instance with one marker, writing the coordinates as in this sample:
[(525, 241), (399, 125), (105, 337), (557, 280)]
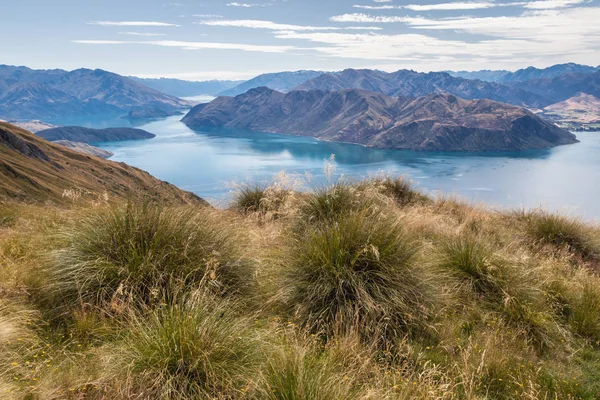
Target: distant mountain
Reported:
[(88, 135), (39, 94), (579, 111), (416, 84), (282, 81), (36, 171), (151, 113), (437, 122), (32, 126), (526, 74), (85, 148), (181, 88), (562, 87)]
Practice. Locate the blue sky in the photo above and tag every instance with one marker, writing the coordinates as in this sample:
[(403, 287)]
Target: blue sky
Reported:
[(223, 39)]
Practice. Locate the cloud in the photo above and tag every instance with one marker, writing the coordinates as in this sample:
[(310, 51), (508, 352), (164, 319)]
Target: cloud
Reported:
[(131, 23), (185, 45), (452, 6), (551, 4), (141, 34), (207, 16), (270, 25), (247, 5), (365, 18)]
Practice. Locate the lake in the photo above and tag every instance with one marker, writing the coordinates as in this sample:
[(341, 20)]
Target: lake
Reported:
[(565, 178)]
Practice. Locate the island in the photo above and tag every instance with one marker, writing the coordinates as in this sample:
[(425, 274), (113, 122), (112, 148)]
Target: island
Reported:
[(436, 122), (89, 135)]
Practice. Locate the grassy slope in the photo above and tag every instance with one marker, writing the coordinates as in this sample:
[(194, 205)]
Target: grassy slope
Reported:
[(57, 174), (365, 291)]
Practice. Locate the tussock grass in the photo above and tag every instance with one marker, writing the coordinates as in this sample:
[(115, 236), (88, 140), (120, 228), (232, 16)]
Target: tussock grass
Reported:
[(557, 230), (142, 252), (8, 215), (195, 348), (356, 290), (357, 272)]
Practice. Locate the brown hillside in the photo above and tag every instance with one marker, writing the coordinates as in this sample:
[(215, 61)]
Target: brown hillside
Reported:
[(34, 170)]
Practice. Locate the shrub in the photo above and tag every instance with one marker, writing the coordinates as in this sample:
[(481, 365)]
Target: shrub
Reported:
[(357, 271), (561, 231), (145, 251), (194, 348)]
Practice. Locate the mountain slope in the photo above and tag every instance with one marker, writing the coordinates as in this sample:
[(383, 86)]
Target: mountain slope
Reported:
[(282, 82), (89, 135), (416, 84), (29, 94), (435, 122), (526, 74), (181, 88), (563, 87), (582, 109), (34, 170)]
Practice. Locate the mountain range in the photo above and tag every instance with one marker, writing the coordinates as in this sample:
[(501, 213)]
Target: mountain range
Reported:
[(34, 170), (89, 135), (181, 88), (281, 81), (40, 94), (522, 75), (436, 122)]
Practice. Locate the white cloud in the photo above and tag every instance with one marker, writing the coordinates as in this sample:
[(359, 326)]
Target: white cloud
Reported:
[(551, 4), (185, 45), (207, 16), (257, 24), (247, 5), (365, 18), (130, 23), (457, 5), (141, 34)]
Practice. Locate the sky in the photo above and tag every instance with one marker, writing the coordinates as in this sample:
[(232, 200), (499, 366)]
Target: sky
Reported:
[(224, 39)]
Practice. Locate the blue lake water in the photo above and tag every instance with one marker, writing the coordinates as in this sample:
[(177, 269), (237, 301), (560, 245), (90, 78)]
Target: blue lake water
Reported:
[(565, 178)]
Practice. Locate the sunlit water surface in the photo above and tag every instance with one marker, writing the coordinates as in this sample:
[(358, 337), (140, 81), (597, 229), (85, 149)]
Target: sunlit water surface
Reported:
[(208, 162)]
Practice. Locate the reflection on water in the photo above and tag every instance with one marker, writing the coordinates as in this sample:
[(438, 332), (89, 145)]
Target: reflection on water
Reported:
[(565, 177)]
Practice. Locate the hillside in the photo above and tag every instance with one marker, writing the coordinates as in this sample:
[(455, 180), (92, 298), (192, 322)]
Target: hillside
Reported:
[(361, 290), (85, 148), (434, 122), (89, 135), (181, 88), (580, 111), (36, 171), (416, 84), (39, 94), (281, 81)]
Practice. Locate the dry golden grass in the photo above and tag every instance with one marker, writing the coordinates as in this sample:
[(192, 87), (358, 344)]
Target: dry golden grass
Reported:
[(507, 304)]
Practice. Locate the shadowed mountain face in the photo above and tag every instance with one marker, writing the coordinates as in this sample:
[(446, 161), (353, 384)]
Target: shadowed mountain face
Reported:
[(27, 93), (34, 170), (437, 122), (88, 135), (416, 84), (563, 87), (282, 82)]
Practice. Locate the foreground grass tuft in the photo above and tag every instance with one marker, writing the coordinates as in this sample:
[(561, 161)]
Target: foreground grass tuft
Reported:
[(141, 253), (357, 272), (195, 348)]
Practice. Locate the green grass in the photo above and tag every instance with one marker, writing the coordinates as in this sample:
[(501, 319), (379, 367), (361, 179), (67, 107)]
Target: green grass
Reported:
[(566, 232), (331, 201), (195, 348), (357, 271), (140, 253)]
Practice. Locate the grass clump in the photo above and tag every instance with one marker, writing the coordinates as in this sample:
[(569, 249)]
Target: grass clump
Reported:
[(8, 216), (585, 312), (557, 230), (399, 189), (357, 272), (144, 251), (331, 201), (195, 348), (249, 198)]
